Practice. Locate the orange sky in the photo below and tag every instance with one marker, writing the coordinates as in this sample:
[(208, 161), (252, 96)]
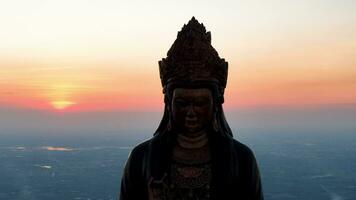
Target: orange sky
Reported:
[(103, 55)]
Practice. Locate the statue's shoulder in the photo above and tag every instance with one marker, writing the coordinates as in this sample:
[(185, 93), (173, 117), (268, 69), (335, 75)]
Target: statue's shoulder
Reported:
[(144, 147), (140, 149), (242, 150), (136, 158)]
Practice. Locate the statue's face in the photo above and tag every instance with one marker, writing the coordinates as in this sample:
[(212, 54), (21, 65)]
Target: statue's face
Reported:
[(192, 109)]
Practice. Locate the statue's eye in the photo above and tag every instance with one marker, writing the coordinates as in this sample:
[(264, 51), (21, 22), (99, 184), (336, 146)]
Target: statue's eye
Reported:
[(180, 103), (201, 103)]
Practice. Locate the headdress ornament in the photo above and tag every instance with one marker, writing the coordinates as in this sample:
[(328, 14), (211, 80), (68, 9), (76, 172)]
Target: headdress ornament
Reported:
[(192, 60)]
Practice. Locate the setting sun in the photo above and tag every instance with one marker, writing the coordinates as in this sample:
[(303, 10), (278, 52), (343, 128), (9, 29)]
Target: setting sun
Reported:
[(61, 105), (60, 95)]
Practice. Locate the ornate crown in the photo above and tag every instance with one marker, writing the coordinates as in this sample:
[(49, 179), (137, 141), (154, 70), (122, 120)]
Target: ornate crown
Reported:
[(192, 59)]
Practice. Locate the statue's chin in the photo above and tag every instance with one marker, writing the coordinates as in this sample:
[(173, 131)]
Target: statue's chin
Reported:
[(193, 131)]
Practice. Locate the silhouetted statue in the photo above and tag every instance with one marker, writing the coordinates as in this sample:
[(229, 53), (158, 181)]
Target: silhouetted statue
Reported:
[(192, 154)]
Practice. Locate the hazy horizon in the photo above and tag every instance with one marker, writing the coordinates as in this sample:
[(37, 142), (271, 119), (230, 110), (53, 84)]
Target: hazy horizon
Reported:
[(327, 118)]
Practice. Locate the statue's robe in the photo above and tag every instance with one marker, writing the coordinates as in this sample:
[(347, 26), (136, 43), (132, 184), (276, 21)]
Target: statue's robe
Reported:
[(235, 174)]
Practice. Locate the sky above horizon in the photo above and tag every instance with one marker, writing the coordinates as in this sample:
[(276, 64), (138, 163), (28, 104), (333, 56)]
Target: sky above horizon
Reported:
[(103, 55)]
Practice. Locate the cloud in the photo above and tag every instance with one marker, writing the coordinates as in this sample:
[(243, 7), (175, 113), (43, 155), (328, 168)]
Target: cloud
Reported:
[(51, 148), (44, 166), (321, 176)]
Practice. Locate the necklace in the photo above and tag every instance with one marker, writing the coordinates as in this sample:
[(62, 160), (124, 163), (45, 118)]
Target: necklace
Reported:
[(192, 142)]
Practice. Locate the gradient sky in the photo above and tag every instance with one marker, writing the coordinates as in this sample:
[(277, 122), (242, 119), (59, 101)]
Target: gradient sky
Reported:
[(85, 55)]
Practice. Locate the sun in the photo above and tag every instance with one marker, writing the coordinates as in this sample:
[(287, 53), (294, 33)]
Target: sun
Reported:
[(61, 105), (60, 95)]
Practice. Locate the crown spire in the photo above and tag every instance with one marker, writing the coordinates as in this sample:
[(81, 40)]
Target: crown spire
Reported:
[(192, 58)]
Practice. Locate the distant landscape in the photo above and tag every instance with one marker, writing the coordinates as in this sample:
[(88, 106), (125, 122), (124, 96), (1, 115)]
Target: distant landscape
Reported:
[(310, 162)]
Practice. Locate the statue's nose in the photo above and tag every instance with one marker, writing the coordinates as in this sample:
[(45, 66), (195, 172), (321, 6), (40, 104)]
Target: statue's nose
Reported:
[(191, 111)]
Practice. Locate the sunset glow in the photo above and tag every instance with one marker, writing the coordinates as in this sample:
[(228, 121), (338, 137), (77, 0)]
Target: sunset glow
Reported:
[(102, 55)]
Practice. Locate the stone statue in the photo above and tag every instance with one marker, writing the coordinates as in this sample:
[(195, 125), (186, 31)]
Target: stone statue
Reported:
[(192, 154)]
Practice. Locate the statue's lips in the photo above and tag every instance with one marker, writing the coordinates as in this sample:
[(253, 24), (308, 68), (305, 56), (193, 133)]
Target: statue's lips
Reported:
[(189, 122)]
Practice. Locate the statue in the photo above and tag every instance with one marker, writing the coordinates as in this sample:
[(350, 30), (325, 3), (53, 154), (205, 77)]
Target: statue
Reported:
[(192, 154)]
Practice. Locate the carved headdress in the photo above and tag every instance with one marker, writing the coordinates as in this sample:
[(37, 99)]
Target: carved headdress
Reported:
[(193, 61)]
